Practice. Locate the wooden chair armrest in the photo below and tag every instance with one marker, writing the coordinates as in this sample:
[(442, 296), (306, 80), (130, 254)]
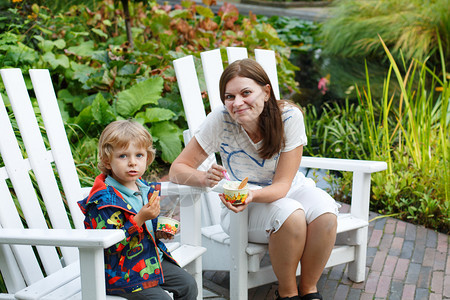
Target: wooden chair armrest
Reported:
[(172, 189), (339, 164), (89, 242), (80, 238)]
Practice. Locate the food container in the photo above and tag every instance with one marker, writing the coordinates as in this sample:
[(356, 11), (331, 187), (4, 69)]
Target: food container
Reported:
[(233, 194), (168, 225)]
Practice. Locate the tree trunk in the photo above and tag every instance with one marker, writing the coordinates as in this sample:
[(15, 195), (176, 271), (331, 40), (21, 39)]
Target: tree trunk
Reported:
[(126, 12)]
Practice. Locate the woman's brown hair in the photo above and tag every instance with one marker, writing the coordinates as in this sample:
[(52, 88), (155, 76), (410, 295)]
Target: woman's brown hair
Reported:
[(270, 122)]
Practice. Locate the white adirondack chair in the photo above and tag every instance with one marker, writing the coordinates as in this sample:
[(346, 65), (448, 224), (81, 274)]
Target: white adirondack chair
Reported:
[(76, 269), (234, 253)]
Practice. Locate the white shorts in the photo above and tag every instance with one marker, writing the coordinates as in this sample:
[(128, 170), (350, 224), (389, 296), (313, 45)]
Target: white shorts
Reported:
[(265, 218)]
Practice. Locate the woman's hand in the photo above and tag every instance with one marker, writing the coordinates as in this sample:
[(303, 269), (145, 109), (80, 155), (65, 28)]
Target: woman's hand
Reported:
[(237, 208), (214, 175)]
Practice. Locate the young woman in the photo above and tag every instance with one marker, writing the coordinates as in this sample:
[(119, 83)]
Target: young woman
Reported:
[(261, 138)]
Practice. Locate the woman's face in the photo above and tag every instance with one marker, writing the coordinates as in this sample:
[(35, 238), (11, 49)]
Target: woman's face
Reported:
[(244, 99)]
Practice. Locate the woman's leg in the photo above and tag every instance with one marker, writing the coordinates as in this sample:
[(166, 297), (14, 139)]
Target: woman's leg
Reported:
[(320, 239), (285, 249)]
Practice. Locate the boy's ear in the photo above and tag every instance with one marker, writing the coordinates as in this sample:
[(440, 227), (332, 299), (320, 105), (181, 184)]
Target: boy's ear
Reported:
[(107, 164)]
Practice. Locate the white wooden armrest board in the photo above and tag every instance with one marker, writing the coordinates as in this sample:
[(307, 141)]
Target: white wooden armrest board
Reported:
[(23, 225), (236, 254)]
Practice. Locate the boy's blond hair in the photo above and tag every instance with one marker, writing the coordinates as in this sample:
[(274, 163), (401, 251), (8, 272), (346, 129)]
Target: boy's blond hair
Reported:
[(118, 135)]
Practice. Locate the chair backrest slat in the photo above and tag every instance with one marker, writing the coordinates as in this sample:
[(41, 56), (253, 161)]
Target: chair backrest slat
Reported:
[(35, 148), (190, 92), (16, 165), (267, 59), (212, 69), (236, 53), (14, 280), (48, 105), (9, 216)]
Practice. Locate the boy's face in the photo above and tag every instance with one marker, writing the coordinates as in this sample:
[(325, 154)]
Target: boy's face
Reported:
[(127, 165)]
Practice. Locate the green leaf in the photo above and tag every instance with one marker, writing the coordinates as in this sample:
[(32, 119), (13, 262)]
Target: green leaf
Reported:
[(99, 32), (84, 49), (60, 44), (81, 72), (101, 111), (204, 11), (146, 92), (168, 139), (156, 114), (56, 60)]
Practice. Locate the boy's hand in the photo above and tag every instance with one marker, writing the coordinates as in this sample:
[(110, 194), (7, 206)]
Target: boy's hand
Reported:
[(161, 235), (149, 211)]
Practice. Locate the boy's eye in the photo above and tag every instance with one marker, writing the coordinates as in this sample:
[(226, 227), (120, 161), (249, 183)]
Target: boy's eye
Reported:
[(122, 156), (140, 155)]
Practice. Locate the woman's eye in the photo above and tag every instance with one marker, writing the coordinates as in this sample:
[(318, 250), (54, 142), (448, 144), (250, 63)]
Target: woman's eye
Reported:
[(229, 97), (246, 93)]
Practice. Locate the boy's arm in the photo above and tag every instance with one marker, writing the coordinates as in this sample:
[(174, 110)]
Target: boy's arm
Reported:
[(112, 218)]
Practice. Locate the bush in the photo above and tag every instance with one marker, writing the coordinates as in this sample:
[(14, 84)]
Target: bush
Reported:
[(408, 127), (411, 26)]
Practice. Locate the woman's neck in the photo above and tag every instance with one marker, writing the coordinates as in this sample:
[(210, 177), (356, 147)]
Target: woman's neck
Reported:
[(253, 133)]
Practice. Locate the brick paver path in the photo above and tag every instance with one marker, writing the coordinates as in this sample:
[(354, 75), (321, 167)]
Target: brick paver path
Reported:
[(404, 262)]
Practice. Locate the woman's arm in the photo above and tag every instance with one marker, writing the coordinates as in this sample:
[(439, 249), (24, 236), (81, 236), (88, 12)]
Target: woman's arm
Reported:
[(184, 169), (287, 168)]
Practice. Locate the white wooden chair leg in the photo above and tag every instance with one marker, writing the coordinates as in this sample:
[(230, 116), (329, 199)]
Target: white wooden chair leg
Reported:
[(92, 266), (357, 268), (190, 208), (360, 209), (239, 260)]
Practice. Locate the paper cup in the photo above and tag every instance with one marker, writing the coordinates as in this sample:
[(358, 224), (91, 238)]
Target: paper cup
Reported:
[(168, 225), (234, 195)]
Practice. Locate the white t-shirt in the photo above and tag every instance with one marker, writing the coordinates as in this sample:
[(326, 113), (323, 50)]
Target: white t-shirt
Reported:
[(220, 133)]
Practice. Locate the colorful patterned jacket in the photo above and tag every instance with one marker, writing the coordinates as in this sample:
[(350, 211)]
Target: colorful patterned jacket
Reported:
[(133, 264)]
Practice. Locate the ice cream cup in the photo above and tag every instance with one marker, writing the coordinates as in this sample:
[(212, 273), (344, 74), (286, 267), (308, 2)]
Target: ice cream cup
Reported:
[(233, 194), (168, 225)]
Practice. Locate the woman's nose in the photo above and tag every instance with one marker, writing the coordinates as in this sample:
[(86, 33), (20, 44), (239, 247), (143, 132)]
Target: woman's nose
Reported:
[(238, 100)]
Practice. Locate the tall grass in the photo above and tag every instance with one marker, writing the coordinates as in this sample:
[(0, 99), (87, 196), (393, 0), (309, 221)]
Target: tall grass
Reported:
[(408, 127), (407, 25), (410, 132)]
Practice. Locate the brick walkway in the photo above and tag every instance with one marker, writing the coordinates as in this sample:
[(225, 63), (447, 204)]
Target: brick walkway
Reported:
[(404, 261)]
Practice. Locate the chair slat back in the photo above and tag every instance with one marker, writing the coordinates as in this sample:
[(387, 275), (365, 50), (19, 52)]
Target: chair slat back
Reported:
[(190, 92), (236, 53), (267, 59), (212, 69), (62, 155), (192, 100), (24, 197), (14, 281)]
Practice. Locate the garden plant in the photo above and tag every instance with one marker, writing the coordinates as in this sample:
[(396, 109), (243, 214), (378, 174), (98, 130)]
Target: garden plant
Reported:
[(101, 77)]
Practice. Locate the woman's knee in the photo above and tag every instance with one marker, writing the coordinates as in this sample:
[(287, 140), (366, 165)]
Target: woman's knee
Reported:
[(326, 222), (295, 224)]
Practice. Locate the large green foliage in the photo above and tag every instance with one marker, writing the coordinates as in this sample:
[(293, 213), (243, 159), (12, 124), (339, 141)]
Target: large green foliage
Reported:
[(100, 77)]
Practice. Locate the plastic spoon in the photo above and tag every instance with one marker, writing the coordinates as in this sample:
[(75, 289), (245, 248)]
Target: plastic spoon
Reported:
[(226, 175)]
